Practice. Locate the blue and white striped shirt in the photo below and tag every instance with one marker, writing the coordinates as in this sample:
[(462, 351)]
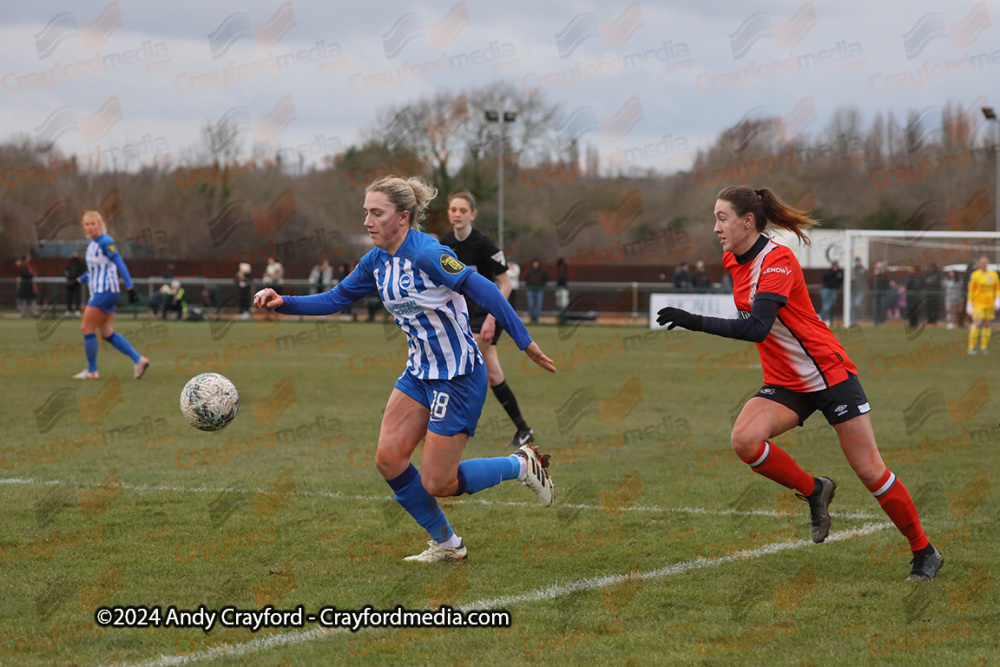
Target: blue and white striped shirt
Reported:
[(104, 265), (419, 286)]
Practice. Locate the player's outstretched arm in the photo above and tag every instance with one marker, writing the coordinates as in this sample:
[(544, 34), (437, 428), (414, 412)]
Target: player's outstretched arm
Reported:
[(754, 329), (355, 286), (488, 295), (488, 327)]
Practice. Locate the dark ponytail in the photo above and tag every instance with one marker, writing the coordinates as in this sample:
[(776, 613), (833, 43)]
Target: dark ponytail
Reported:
[(767, 207)]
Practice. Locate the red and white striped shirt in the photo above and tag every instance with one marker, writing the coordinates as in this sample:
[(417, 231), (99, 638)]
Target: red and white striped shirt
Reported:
[(800, 353)]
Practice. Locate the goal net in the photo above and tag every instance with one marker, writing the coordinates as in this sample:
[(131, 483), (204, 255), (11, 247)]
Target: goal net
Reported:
[(911, 277)]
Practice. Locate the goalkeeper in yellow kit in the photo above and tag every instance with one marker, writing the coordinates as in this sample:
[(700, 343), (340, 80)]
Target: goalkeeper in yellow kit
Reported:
[(982, 303)]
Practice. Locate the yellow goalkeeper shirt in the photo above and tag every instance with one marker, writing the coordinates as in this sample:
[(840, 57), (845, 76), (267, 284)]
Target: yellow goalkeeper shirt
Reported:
[(984, 288)]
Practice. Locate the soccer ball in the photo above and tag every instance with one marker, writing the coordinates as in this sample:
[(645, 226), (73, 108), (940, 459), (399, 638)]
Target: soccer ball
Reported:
[(209, 401)]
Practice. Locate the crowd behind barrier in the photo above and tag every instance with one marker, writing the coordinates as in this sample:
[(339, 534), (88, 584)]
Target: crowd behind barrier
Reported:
[(217, 297)]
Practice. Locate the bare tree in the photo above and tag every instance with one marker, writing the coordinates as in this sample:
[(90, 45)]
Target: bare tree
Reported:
[(450, 131)]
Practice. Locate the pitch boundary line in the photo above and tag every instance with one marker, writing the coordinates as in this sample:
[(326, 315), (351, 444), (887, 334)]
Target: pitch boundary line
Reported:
[(478, 501), (557, 590)]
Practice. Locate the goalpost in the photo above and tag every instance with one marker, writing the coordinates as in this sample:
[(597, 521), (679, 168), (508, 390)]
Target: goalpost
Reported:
[(912, 253)]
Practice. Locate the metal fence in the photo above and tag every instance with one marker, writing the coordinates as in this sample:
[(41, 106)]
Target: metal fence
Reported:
[(218, 297)]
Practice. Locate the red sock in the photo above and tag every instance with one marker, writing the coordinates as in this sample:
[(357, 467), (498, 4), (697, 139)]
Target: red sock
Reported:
[(896, 502), (774, 463)]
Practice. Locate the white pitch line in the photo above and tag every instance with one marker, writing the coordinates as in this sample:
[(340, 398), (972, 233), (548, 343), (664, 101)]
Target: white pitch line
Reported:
[(558, 590), (480, 501)]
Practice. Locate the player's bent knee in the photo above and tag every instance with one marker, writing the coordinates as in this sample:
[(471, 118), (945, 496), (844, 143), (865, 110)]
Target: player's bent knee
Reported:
[(744, 444), (389, 465), (439, 487)]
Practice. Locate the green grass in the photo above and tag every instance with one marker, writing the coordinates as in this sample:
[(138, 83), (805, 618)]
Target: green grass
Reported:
[(640, 487)]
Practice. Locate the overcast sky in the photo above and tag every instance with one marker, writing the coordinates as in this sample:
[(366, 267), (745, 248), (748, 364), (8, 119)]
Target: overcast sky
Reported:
[(686, 62)]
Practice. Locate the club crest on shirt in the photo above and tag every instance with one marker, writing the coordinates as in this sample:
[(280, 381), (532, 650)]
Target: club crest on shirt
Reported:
[(405, 281), (451, 265)]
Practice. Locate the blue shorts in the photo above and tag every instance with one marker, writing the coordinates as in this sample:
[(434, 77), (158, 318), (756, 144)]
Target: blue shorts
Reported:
[(455, 404), (106, 301)]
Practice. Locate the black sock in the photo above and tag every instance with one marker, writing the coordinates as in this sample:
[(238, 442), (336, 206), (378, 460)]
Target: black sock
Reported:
[(929, 549), (509, 403)]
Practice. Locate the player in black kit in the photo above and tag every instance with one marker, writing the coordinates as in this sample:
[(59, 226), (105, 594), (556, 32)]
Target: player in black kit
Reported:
[(477, 250)]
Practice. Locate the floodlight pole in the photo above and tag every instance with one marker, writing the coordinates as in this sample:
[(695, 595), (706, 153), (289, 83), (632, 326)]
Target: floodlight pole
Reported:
[(495, 117), (991, 115)]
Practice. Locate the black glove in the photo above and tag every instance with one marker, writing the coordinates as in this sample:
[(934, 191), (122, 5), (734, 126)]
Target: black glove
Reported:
[(133, 296), (679, 318)]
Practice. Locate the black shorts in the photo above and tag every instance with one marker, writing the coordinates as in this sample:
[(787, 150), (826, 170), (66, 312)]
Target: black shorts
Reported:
[(476, 323), (839, 403)]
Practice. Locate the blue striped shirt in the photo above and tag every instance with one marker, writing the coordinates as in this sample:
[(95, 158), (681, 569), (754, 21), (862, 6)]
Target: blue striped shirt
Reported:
[(104, 265), (419, 286)]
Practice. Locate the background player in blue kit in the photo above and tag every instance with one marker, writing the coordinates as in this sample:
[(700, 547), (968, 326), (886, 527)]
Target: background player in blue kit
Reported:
[(104, 266), (475, 249), (440, 394)]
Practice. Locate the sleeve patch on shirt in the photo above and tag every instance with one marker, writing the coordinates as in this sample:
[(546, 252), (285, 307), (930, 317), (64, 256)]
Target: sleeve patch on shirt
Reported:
[(499, 258), (111, 248), (451, 265)]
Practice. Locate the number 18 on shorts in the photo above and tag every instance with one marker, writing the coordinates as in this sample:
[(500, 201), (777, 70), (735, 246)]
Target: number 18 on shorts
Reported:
[(455, 405)]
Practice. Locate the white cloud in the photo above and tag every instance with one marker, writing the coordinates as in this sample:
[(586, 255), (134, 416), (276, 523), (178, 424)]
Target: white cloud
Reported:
[(697, 101)]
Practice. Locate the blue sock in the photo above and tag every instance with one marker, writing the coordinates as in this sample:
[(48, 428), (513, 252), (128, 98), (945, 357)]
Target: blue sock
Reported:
[(422, 506), (120, 343), (475, 475), (90, 347)]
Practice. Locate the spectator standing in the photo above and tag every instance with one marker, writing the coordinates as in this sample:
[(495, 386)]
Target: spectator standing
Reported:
[(727, 283), (274, 275), (535, 278), (514, 273), (880, 293), (342, 272), (682, 279), (954, 289), (916, 300), (859, 287), (74, 269), (26, 292), (321, 277), (932, 294), (701, 281), (833, 280), (896, 300), (244, 282)]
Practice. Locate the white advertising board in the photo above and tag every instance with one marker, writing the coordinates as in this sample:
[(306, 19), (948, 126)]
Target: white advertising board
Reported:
[(713, 305)]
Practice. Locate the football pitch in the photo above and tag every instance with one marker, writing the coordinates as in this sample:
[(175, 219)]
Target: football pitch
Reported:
[(661, 547)]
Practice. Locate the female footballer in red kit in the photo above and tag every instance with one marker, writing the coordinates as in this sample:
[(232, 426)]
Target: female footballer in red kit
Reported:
[(805, 368)]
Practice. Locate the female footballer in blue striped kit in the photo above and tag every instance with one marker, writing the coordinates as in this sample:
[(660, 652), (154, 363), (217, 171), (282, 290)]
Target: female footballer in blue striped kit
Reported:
[(441, 392), (104, 266)]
